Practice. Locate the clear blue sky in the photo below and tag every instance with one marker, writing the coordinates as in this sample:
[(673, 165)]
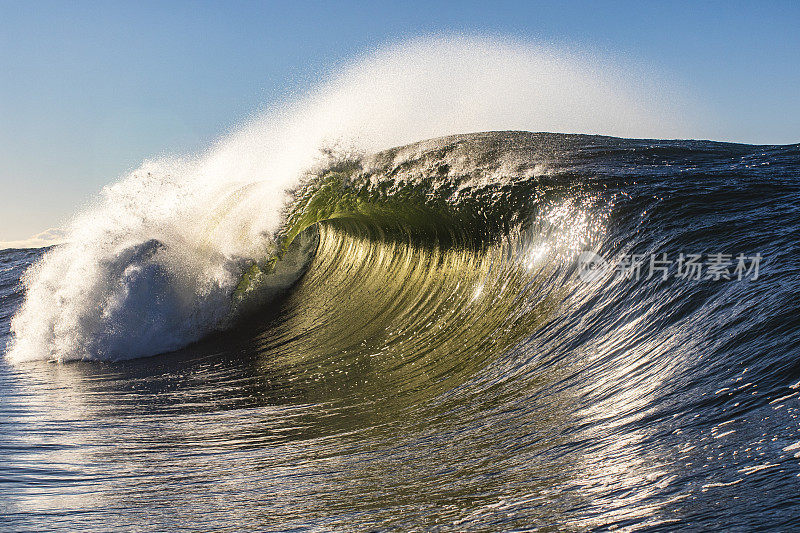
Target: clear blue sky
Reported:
[(88, 90)]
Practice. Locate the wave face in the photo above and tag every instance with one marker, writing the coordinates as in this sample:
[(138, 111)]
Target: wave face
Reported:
[(419, 347)]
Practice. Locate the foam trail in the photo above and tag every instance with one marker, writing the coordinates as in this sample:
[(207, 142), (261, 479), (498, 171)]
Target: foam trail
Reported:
[(151, 266)]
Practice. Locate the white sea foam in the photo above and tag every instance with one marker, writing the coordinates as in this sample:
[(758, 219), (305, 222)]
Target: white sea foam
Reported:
[(151, 265)]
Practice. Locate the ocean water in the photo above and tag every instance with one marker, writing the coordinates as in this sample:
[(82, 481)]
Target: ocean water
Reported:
[(421, 345)]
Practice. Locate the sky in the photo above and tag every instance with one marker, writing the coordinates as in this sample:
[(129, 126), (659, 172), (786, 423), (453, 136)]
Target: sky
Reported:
[(88, 90)]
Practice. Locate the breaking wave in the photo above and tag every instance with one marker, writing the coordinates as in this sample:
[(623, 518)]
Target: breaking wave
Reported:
[(158, 261)]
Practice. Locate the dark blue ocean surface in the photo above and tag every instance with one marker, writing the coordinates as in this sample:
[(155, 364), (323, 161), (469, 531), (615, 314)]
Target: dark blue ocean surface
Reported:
[(447, 361)]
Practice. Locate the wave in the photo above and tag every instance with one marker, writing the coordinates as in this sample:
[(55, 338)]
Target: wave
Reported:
[(440, 321), (178, 248), (435, 203)]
